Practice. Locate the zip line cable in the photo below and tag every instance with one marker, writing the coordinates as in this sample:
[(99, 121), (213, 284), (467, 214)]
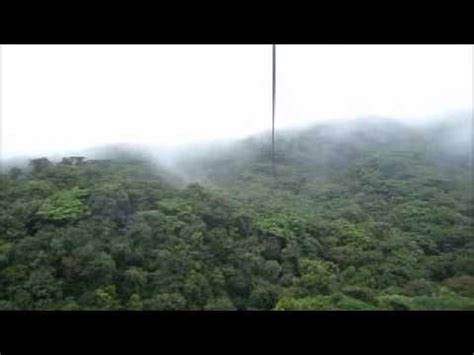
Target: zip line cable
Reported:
[(273, 105)]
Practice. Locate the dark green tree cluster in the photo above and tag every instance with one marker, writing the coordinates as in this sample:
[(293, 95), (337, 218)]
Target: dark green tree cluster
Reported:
[(375, 218)]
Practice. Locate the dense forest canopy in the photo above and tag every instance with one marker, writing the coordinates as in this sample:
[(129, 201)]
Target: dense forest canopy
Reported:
[(372, 214)]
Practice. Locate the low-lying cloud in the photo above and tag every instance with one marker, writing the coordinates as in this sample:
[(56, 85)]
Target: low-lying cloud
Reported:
[(59, 99)]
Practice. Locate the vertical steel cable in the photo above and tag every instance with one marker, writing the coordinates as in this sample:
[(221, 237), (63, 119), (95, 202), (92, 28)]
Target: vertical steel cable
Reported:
[(273, 105)]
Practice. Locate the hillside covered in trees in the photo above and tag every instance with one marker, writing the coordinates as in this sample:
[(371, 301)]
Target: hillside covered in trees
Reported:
[(369, 215)]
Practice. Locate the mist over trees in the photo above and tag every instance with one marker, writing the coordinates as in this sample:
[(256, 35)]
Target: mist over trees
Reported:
[(361, 215)]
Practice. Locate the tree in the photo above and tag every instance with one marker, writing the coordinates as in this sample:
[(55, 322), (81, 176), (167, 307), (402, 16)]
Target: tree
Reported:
[(264, 296), (165, 301), (40, 165), (107, 298), (317, 276), (463, 285), (64, 206), (15, 173), (353, 219)]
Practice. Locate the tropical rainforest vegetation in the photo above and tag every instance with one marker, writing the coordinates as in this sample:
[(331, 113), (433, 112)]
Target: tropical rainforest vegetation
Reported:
[(372, 215)]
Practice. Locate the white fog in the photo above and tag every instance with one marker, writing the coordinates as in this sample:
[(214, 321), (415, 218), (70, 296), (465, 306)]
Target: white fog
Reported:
[(58, 99)]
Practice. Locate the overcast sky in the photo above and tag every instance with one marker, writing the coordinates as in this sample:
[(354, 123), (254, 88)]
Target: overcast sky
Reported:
[(57, 98)]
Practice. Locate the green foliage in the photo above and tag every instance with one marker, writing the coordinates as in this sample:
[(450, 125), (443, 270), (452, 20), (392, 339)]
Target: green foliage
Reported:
[(371, 218), (463, 285), (165, 301), (317, 276), (363, 294), (305, 303), (64, 206), (107, 298), (444, 301), (264, 296), (135, 303)]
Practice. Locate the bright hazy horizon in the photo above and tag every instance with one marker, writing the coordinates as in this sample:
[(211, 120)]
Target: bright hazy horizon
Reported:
[(62, 98)]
